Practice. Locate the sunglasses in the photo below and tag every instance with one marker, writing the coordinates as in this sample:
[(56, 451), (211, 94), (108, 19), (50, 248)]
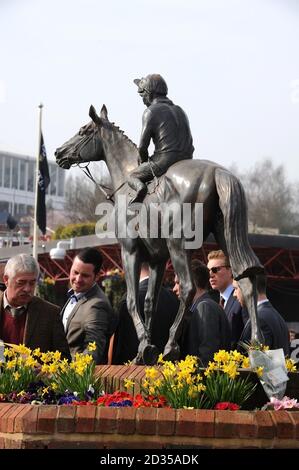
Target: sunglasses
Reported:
[(215, 269)]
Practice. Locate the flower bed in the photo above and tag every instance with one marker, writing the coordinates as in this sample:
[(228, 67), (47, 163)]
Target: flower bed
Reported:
[(118, 419)]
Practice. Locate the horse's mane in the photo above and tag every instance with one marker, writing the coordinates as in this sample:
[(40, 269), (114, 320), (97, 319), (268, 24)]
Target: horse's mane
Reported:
[(120, 131)]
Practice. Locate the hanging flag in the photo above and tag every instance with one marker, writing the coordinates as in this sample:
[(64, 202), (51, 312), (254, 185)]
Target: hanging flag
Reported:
[(43, 183)]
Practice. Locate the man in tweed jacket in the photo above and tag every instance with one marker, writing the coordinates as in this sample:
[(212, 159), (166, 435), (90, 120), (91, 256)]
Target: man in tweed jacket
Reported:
[(25, 318)]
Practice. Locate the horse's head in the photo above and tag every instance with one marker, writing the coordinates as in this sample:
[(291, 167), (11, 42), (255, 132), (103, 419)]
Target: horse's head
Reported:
[(85, 146)]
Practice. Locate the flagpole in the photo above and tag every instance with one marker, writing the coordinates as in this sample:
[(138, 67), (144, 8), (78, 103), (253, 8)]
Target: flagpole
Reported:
[(35, 226)]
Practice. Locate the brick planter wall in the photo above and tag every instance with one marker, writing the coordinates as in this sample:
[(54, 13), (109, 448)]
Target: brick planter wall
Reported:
[(56, 427), (51, 426)]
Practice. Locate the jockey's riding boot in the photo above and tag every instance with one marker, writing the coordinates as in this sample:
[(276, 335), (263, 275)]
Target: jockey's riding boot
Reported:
[(140, 189)]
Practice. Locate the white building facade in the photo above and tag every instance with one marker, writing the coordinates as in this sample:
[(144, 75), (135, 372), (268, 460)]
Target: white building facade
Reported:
[(17, 184)]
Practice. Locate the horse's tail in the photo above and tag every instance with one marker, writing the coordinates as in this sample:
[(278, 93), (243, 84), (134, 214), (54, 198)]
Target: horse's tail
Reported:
[(233, 205)]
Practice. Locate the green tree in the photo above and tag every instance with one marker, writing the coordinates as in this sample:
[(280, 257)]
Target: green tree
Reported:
[(74, 230)]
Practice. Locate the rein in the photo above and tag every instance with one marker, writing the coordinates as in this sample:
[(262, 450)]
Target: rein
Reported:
[(102, 187)]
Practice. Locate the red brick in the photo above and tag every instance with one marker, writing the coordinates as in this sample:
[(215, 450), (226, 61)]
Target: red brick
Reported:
[(127, 374), (99, 371), (47, 415), (112, 379), (166, 421), (246, 423), (85, 419), (146, 420), (106, 420), (8, 420), (137, 377), (26, 420), (4, 413), (116, 372), (132, 375), (294, 415), (285, 428), (185, 420), (4, 408), (66, 418), (226, 424), (265, 425), (19, 417), (126, 420), (205, 423)]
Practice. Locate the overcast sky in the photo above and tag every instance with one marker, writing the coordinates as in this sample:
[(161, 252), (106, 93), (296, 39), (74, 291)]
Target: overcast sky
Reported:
[(233, 65)]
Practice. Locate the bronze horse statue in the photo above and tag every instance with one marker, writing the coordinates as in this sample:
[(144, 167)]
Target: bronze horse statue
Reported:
[(191, 181)]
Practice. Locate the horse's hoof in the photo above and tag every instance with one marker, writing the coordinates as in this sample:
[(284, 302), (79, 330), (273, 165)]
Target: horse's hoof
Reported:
[(150, 355), (171, 354), (138, 360)]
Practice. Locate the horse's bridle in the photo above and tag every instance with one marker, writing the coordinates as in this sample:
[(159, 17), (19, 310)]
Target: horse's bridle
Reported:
[(77, 148), (86, 170)]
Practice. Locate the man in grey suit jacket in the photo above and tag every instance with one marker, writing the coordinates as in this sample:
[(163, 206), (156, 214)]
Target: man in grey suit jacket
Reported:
[(273, 326), (208, 328), (88, 316)]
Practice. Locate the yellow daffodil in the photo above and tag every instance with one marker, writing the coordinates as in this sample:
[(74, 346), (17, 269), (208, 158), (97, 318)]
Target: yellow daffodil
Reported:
[(36, 352), (222, 356), (290, 365), (259, 371), (128, 383), (92, 346)]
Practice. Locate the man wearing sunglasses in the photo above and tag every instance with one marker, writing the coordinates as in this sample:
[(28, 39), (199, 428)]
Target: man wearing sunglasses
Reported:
[(221, 279)]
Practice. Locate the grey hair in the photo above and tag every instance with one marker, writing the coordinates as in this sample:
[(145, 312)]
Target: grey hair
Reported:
[(22, 263)]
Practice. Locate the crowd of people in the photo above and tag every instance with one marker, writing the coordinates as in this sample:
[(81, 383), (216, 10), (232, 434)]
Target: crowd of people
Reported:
[(87, 316)]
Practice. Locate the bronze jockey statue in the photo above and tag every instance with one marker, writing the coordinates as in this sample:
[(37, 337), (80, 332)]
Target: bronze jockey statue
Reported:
[(168, 126)]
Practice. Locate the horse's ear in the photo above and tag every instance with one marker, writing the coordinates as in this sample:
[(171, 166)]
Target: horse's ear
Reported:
[(104, 112), (93, 114)]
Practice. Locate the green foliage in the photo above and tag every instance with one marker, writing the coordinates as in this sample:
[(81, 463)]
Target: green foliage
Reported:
[(223, 382), (46, 290), (114, 285), (221, 388), (74, 230)]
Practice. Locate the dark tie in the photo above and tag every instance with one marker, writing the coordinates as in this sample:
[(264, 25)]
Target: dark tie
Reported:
[(15, 312), (222, 301)]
